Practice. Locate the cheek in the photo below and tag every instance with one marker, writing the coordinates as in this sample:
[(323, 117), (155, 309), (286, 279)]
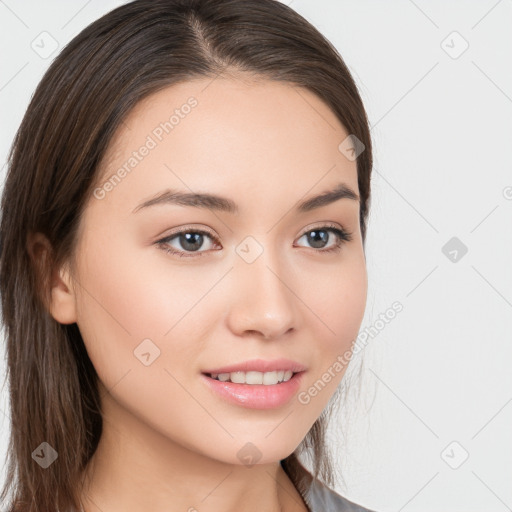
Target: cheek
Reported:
[(336, 302), (126, 300), (336, 298), (134, 311)]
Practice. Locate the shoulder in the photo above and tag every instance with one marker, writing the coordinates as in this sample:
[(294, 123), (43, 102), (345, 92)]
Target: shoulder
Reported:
[(323, 499)]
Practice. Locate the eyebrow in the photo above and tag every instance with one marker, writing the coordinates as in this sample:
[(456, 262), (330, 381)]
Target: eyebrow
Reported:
[(214, 202)]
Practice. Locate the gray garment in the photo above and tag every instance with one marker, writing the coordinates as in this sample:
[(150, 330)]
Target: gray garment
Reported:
[(320, 498)]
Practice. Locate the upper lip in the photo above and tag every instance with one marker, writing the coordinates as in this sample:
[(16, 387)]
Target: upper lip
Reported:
[(260, 365)]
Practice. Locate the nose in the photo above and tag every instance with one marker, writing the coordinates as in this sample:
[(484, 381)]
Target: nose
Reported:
[(262, 300)]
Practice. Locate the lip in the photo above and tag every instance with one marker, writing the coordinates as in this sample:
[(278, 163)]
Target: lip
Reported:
[(260, 365), (255, 396)]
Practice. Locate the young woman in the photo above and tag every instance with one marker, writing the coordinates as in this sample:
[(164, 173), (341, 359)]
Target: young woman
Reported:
[(182, 264)]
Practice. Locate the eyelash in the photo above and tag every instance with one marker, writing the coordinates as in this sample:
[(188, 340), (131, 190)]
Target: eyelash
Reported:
[(343, 237)]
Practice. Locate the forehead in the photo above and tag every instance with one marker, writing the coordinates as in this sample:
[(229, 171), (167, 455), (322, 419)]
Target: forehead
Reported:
[(219, 133)]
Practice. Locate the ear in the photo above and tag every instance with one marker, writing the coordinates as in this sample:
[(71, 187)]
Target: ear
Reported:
[(63, 300)]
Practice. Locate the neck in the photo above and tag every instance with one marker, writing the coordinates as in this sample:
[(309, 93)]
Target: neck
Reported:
[(136, 468)]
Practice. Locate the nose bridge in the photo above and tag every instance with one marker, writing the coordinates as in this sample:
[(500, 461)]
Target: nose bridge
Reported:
[(262, 300)]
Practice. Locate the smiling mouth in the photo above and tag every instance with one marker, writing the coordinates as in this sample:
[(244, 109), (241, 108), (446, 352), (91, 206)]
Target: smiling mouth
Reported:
[(254, 377)]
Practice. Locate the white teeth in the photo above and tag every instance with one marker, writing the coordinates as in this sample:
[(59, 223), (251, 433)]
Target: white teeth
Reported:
[(267, 378)]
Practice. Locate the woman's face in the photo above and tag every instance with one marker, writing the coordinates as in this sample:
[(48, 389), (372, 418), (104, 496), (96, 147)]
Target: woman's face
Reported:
[(263, 281)]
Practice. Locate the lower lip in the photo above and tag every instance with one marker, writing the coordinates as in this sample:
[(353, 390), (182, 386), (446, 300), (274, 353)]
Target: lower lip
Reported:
[(256, 396)]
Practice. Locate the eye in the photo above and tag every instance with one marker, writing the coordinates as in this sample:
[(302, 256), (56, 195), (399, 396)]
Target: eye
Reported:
[(188, 241), (319, 237)]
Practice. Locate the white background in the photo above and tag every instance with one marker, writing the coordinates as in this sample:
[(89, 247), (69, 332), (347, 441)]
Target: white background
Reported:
[(442, 129)]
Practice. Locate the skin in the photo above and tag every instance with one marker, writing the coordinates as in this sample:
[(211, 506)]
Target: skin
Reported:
[(167, 439)]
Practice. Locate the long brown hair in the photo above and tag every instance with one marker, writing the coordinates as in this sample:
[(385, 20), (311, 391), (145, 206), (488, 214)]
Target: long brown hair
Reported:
[(131, 52)]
